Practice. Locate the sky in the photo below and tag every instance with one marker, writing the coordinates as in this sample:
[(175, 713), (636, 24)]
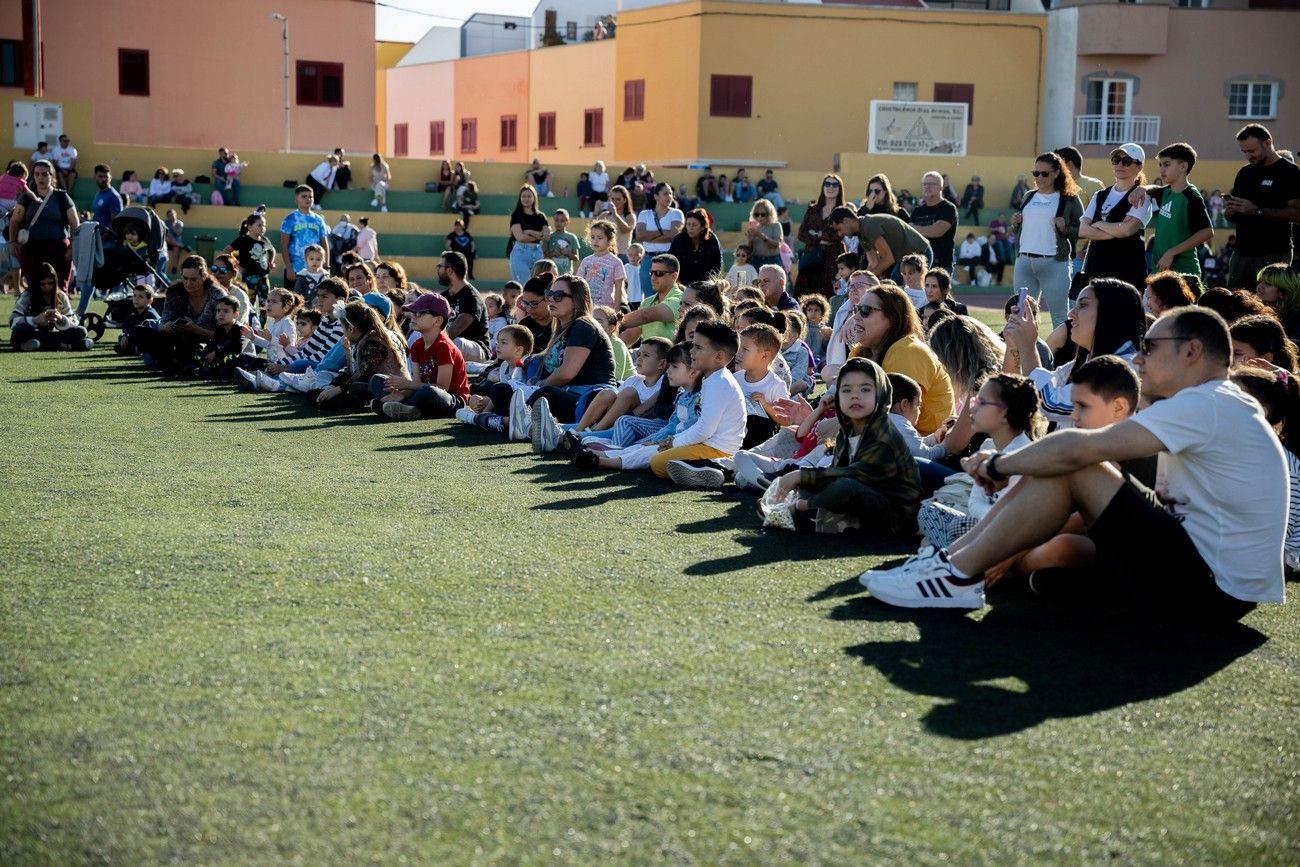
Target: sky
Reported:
[(392, 24)]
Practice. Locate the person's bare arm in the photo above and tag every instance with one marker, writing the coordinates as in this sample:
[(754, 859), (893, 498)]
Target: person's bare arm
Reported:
[(459, 324), (1066, 451)]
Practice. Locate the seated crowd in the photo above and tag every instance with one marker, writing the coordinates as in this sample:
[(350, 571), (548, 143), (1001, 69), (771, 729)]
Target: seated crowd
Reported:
[(1145, 453)]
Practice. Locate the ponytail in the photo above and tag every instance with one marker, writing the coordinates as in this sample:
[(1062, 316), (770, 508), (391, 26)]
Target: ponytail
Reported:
[(1021, 397), (1279, 393)]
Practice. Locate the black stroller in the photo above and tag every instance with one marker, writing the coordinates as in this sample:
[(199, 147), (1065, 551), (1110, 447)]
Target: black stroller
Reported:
[(122, 266)]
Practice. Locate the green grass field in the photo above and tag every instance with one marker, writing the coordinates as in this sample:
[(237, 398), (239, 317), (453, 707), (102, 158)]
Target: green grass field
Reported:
[(233, 631)]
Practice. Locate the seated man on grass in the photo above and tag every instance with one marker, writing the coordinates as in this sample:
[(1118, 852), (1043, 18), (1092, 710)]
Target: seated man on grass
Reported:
[(1205, 545)]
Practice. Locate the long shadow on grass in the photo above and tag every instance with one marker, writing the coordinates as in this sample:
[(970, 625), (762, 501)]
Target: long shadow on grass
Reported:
[(1026, 662)]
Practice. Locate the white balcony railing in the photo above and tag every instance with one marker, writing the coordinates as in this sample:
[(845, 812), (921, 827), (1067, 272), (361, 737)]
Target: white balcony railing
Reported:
[(1103, 129)]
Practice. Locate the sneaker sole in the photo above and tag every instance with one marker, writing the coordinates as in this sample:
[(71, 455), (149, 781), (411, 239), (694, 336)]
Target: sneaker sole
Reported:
[(536, 431), (940, 601), (704, 478)]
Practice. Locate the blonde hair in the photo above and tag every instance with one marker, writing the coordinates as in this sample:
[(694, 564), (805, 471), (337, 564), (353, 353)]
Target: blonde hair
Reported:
[(763, 212)]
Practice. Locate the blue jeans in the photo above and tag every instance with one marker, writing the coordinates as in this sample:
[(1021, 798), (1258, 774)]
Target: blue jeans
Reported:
[(628, 430), (522, 259), (431, 401)]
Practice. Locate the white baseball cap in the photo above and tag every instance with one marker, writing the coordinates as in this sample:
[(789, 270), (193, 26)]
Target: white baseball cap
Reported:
[(1132, 151)]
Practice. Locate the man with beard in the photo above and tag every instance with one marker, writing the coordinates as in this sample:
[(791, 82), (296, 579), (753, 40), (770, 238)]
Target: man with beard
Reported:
[(467, 326)]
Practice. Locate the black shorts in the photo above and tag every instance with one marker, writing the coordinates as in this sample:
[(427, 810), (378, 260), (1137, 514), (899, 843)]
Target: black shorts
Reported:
[(1146, 559)]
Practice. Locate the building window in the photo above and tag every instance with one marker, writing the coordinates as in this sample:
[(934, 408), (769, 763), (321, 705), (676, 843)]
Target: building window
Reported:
[(957, 93), (571, 30), (508, 127), (437, 137), (401, 139), (905, 91), (634, 99), (320, 83), (1252, 100), (546, 130), (11, 62), (593, 127), (731, 95), (132, 72), (469, 135)]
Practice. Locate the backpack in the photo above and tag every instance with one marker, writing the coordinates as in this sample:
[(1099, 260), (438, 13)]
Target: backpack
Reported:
[(217, 199)]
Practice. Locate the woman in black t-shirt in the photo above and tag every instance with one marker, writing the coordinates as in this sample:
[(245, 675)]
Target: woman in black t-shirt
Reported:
[(528, 228), (580, 357), (50, 221)]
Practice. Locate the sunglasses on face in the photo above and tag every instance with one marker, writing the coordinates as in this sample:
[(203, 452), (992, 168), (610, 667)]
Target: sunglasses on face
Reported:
[(527, 305), (865, 310), (558, 295), (1046, 174), (835, 184), (220, 269), (1124, 161), (654, 273)]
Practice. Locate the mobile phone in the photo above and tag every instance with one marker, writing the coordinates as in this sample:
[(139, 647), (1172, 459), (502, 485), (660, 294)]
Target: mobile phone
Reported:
[(1020, 302)]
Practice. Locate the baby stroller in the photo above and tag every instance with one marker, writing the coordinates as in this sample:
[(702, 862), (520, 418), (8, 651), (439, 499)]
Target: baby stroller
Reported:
[(122, 266)]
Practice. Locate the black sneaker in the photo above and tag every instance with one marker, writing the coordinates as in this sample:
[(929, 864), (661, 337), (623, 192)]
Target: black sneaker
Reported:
[(586, 459), (570, 444)]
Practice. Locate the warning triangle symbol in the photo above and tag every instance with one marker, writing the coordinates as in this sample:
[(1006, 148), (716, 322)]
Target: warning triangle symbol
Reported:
[(920, 131)]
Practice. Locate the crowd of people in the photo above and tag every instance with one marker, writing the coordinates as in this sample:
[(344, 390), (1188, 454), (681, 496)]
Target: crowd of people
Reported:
[(1145, 452)]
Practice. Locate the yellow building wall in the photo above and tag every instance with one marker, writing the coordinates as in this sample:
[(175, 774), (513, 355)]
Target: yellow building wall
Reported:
[(387, 54), (833, 62), (488, 88), (568, 80), (661, 46)]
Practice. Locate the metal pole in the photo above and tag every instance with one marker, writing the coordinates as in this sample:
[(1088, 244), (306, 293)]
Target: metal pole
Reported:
[(286, 85), (284, 30)]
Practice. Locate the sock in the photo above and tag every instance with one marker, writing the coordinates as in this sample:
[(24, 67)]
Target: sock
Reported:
[(952, 567)]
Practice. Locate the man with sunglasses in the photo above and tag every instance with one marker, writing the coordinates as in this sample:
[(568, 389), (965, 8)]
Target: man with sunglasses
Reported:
[(1205, 545), (1265, 201), (657, 315)]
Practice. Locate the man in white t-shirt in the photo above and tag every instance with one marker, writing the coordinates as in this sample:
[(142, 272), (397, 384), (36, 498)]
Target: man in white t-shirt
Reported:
[(1206, 544), (65, 162)]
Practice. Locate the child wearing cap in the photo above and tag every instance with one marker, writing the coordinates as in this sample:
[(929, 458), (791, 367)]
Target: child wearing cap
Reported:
[(441, 386)]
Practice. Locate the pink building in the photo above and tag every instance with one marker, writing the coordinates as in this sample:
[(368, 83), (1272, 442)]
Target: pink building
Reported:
[(203, 75), (1170, 70)]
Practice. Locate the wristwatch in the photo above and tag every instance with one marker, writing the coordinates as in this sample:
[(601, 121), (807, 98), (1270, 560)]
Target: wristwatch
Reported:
[(991, 469)]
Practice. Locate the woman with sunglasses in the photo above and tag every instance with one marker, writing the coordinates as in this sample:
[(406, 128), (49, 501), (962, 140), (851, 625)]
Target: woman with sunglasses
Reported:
[(890, 334), (879, 198), (1114, 227), (822, 245), (1047, 226), (1107, 319)]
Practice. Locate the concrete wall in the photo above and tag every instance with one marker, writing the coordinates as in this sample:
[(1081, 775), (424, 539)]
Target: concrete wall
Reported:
[(568, 80), (1187, 85), (206, 90)]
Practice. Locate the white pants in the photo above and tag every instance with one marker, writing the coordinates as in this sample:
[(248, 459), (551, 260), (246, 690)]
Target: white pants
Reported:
[(470, 350)]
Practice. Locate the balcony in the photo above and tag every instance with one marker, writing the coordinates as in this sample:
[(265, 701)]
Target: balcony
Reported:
[(1104, 129)]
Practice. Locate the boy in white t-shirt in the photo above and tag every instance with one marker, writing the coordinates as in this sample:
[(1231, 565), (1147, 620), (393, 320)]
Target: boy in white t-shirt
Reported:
[(761, 385), (632, 273), (636, 396)]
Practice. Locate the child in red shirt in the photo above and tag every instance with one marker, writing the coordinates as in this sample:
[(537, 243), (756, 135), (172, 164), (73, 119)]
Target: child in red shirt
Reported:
[(441, 385)]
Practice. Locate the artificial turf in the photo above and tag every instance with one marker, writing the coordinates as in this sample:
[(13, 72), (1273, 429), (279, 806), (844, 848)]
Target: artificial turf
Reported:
[(233, 630)]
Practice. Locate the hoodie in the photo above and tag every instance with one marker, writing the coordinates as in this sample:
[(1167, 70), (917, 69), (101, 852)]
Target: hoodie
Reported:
[(881, 461)]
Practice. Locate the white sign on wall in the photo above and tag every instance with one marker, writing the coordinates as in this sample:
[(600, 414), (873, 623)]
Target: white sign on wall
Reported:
[(918, 128), (36, 122)]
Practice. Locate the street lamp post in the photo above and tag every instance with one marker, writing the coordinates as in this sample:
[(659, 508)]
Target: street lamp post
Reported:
[(284, 26)]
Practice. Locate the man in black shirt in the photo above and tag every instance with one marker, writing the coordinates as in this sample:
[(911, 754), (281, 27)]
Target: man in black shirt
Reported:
[(936, 218), (468, 325), (1265, 201)]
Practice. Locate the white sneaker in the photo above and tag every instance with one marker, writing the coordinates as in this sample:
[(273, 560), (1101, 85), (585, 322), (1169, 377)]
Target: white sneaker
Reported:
[(245, 377), (465, 415), (520, 417), (265, 382), (383, 209), (87, 344), (397, 409), (545, 433), (374, 203), (321, 379), (925, 582)]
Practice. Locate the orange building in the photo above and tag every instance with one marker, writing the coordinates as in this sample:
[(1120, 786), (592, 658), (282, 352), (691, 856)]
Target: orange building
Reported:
[(202, 75)]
